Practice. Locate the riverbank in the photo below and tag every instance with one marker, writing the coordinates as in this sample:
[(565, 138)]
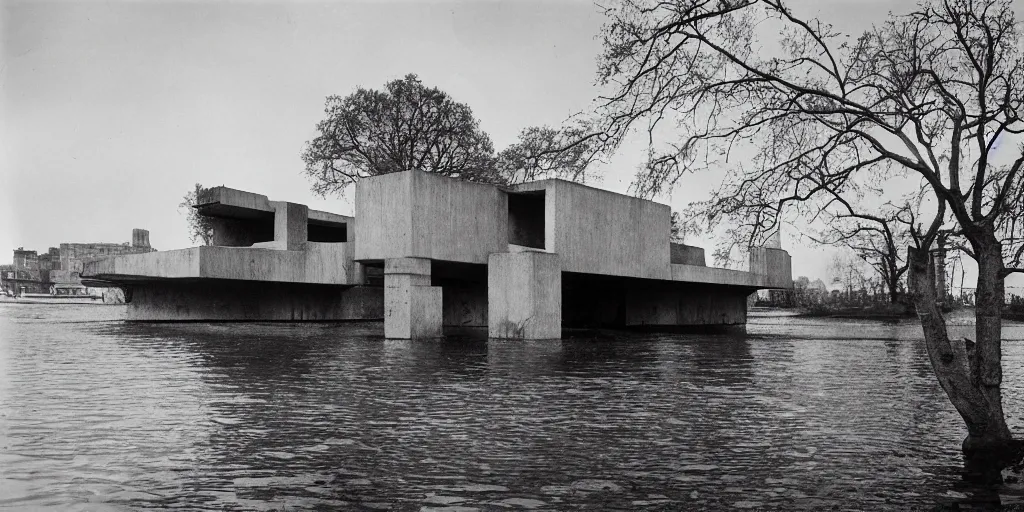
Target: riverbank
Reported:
[(876, 312)]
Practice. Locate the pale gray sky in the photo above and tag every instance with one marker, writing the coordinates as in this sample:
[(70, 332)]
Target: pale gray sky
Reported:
[(113, 110)]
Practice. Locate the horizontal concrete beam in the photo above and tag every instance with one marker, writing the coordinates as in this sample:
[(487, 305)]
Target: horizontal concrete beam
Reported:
[(320, 263), (713, 275), (231, 203)]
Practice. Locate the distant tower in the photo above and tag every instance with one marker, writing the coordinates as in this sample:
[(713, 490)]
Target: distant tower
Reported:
[(140, 238), (775, 240)]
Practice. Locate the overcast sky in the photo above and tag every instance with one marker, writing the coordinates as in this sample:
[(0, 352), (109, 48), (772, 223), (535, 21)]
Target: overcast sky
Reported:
[(111, 111)]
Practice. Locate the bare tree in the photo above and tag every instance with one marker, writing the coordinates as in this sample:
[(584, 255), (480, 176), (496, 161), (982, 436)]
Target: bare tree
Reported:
[(200, 228), (879, 238), (546, 152), (850, 272), (933, 97)]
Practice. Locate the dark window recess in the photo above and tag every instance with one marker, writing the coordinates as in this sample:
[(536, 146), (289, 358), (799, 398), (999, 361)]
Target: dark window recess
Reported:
[(333, 234), (242, 232), (526, 219)]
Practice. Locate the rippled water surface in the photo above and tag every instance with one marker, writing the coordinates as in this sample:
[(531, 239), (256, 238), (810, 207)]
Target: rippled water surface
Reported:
[(96, 414)]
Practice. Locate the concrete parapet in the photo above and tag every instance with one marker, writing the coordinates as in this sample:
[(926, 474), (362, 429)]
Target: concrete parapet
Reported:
[(524, 296), (714, 275), (412, 308)]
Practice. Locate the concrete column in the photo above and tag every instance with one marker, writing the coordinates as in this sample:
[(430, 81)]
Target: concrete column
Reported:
[(524, 296), (291, 225), (412, 308)]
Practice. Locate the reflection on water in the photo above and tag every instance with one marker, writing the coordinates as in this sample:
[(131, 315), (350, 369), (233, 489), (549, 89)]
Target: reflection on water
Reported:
[(96, 414)]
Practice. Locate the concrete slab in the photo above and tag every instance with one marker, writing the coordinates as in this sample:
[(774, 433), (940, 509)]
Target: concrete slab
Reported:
[(320, 263)]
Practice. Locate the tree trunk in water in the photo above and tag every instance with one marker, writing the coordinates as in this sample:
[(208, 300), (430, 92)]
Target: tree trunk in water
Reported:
[(970, 374)]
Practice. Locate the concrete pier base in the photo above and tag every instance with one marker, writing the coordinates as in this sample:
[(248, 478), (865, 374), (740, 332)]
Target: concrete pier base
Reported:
[(524, 296), (412, 308)]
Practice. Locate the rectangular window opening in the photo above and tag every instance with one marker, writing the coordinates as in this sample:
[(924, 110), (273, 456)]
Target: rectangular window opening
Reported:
[(526, 219), (333, 233)]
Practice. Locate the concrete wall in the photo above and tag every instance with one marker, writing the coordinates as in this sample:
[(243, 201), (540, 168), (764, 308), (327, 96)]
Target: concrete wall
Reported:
[(252, 301), (774, 265), (687, 255), (599, 232), (421, 215)]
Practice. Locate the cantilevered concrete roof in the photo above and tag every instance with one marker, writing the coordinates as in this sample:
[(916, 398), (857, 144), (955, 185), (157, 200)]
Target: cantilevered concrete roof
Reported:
[(230, 203)]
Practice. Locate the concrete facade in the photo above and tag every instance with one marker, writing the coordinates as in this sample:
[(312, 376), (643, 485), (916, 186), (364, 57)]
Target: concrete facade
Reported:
[(523, 262), (524, 296), (419, 215)]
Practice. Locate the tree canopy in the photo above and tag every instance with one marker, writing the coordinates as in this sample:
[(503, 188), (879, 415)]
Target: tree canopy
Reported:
[(411, 126)]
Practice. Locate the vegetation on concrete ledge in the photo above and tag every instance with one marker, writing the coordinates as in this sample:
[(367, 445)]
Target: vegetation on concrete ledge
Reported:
[(200, 227)]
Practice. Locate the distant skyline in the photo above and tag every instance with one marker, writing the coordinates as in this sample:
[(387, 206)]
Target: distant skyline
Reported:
[(112, 111)]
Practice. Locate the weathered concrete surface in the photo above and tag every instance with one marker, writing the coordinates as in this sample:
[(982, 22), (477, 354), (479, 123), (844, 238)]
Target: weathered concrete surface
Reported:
[(658, 304), (320, 263), (775, 265), (687, 255), (291, 224), (217, 300), (524, 296), (412, 308), (714, 275), (599, 232), (420, 215), (464, 305)]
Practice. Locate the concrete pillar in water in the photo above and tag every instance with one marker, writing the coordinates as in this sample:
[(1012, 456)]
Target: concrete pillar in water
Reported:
[(524, 296), (291, 225), (412, 308)]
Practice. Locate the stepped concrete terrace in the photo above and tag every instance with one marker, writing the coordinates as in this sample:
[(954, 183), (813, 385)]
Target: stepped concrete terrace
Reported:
[(522, 262)]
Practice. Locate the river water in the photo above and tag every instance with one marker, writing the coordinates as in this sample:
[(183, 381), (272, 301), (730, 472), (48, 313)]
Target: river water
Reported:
[(97, 414)]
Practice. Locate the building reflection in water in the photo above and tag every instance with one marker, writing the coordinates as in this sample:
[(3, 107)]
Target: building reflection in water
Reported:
[(332, 415)]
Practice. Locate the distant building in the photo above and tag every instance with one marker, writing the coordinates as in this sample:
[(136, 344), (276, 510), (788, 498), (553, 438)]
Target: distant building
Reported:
[(58, 271)]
